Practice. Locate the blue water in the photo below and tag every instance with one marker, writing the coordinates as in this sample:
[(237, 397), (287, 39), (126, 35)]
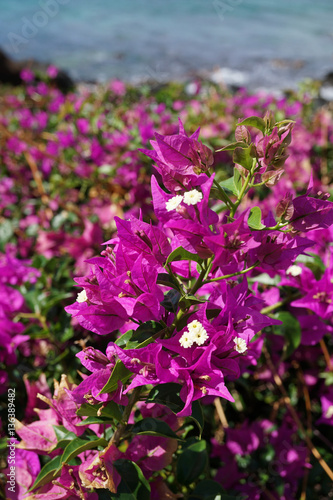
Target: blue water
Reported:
[(260, 43)]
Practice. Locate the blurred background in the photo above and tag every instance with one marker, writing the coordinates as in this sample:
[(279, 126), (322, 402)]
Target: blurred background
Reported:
[(255, 43)]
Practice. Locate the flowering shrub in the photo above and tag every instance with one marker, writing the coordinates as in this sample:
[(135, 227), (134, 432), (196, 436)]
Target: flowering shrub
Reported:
[(204, 325)]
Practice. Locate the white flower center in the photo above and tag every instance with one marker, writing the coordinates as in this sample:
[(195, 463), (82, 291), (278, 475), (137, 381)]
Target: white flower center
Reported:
[(196, 334), (240, 345), (294, 270), (82, 296), (192, 197), (173, 203)]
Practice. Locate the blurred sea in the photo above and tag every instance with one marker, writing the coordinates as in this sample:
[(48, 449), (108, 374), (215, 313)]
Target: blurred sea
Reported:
[(258, 43)]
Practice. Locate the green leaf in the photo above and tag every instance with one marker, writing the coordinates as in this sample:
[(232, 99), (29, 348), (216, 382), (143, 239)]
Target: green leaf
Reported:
[(212, 313), (254, 220), (291, 330), (123, 339), (254, 121), (54, 299), (119, 372), (189, 300), (63, 436), (170, 301), (233, 145), (230, 185), (3, 444), (184, 320), (328, 377), (243, 157), (237, 180), (6, 232), (313, 262), (133, 485), (94, 420), (78, 445), (207, 490), (181, 254), (192, 462), (168, 395), (60, 431), (167, 280), (143, 335), (197, 416), (283, 122), (110, 411), (48, 472), (154, 427)]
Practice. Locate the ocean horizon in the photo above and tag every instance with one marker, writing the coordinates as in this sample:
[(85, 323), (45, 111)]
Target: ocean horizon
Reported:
[(253, 43)]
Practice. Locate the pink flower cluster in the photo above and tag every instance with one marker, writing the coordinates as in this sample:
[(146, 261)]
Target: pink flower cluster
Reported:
[(221, 289)]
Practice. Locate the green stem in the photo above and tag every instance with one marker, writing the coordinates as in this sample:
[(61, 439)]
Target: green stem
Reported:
[(224, 196), (269, 309), (203, 275), (226, 276), (243, 190), (287, 300), (200, 281), (134, 397)]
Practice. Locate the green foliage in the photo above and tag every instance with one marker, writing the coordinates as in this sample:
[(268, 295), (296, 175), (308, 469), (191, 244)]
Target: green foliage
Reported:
[(182, 254), (168, 395), (291, 331), (233, 184), (119, 372), (48, 472), (192, 461), (254, 121), (242, 156), (254, 220), (133, 484), (109, 410), (153, 427), (79, 445)]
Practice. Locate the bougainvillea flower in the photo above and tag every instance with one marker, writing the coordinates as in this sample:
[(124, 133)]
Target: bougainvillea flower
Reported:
[(179, 159)]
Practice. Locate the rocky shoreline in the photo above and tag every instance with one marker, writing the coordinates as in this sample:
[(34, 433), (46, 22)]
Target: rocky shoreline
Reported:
[(10, 74)]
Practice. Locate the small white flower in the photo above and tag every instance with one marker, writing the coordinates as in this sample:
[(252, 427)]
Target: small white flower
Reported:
[(200, 336), (192, 197), (294, 270), (194, 326), (173, 203), (82, 296), (329, 412), (186, 340), (240, 345), (197, 332)]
